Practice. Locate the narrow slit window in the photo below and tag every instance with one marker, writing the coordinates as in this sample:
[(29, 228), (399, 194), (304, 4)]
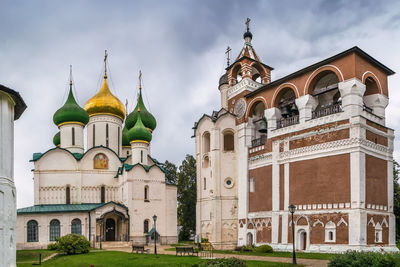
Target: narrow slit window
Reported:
[(146, 193), (141, 156), (205, 184), (119, 140), (68, 195), (106, 135), (73, 136), (94, 135), (103, 194)]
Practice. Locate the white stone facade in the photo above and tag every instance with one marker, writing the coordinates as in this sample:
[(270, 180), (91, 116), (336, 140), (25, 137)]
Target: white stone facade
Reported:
[(8, 109)]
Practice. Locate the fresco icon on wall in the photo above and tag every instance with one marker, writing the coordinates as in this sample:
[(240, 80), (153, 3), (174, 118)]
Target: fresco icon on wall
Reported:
[(100, 161)]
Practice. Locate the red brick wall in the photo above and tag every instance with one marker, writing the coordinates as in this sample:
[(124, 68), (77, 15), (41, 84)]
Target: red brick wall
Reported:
[(261, 198), (376, 180)]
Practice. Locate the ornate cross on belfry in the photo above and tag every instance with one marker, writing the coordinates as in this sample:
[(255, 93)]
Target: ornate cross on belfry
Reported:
[(228, 54), (248, 24)]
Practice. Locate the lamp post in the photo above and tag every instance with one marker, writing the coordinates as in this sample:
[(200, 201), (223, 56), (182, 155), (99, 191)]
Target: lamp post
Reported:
[(101, 232), (292, 209), (155, 235)]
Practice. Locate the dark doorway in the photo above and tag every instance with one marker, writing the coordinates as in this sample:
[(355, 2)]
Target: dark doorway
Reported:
[(110, 229)]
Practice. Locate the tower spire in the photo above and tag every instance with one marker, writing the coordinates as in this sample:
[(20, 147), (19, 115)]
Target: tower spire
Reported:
[(105, 64), (247, 36), (247, 24)]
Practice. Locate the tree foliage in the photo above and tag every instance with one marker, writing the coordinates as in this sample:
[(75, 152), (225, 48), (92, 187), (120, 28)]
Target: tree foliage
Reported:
[(396, 196), (187, 197), (171, 176)]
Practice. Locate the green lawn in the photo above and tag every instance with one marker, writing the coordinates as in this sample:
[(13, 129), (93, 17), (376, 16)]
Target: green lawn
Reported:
[(120, 259), (32, 255), (300, 255)]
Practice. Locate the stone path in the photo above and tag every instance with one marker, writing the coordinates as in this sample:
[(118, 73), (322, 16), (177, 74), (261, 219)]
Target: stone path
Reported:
[(306, 262)]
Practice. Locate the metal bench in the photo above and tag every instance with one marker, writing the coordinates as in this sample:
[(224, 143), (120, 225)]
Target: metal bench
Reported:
[(186, 250), (138, 249)]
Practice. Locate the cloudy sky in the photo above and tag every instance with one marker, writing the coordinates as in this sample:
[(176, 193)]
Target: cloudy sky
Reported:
[(179, 46)]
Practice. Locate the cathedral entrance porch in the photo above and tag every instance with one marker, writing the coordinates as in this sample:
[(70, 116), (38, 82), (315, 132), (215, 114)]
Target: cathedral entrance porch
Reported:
[(112, 226)]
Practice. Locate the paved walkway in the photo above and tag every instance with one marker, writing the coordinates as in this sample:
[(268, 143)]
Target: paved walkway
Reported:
[(306, 262)]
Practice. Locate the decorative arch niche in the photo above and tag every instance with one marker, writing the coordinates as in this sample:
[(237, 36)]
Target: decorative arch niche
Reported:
[(100, 161)]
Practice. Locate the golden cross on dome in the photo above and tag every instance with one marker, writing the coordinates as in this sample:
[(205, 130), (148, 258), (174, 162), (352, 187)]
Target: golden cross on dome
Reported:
[(105, 64), (140, 79), (248, 24), (126, 106), (70, 75), (228, 50)]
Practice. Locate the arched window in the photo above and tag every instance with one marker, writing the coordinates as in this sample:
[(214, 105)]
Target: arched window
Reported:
[(206, 142), (146, 226), (229, 143), (103, 194), (54, 229), (330, 232), (146, 193), (73, 136), (324, 87), (285, 102), (206, 162), (67, 195), (76, 226), (94, 135), (260, 128), (107, 135), (378, 233), (205, 183), (32, 231), (371, 88)]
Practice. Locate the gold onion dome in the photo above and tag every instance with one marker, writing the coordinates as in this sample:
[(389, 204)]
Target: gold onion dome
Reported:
[(139, 133), (71, 112), (147, 118), (104, 102)]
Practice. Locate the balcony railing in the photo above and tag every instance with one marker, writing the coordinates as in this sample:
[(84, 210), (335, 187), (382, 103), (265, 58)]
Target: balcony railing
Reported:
[(331, 109), (284, 122), (259, 141)]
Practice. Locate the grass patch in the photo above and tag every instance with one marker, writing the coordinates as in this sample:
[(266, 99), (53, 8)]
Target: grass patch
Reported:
[(283, 254), (121, 259), (33, 255), (300, 255)]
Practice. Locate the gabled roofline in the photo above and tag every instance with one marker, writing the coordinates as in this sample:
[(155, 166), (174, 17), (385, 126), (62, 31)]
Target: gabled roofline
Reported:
[(20, 105), (210, 117), (354, 49), (77, 156)]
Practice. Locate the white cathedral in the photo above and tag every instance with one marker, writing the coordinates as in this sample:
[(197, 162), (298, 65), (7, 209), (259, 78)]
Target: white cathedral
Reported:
[(110, 191)]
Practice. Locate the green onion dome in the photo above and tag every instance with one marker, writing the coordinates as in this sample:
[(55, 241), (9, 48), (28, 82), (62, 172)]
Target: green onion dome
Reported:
[(125, 137), (147, 118), (56, 139), (139, 133), (70, 112)]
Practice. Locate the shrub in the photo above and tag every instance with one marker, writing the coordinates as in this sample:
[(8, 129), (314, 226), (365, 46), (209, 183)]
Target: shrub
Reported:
[(222, 262), (52, 246), (264, 249), (73, 244), (244, 248), (204, 240), (371, 259)]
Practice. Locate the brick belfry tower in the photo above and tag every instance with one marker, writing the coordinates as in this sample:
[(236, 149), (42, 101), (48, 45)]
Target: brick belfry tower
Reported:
[(221, 150), (316, 138), (11, 108)]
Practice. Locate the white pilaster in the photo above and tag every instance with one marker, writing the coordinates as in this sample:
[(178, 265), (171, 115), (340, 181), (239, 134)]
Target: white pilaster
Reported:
[(306, 104), (352, 92), (272, 115)]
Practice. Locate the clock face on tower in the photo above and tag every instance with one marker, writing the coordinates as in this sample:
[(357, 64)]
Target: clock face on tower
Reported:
[(240, 107)]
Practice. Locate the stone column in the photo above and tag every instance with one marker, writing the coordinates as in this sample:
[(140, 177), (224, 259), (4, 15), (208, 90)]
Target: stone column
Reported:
[(272, 115), (352, 92), (378, 103), (306, 104)]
